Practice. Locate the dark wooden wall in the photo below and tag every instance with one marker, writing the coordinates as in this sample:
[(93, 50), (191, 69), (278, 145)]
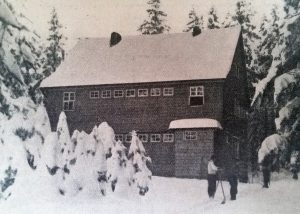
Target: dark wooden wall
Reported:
[(145, 114)]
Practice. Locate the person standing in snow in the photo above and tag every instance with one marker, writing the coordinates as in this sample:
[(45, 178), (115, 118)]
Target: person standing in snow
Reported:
[(266, 168), (233, 179), (212, 177)]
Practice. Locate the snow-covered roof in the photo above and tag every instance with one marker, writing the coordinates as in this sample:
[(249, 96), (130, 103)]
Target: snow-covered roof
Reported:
[(148, 58), (195, 123)]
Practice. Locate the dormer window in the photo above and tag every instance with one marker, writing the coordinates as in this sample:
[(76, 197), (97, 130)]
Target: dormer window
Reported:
[(196, 96)]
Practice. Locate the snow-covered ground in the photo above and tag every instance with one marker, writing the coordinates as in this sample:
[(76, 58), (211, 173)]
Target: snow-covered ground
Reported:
[(171, 195)]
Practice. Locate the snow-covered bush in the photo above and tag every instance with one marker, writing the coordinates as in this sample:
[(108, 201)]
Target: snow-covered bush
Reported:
[(139, 173)]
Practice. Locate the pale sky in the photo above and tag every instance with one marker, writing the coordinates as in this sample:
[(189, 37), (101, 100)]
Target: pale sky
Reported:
[(98, 18)]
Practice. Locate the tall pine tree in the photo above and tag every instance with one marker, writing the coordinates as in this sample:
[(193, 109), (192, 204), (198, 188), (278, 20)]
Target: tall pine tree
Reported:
[(54, 53), (213, 19), (243, 16), (194, 20), (156, 22)]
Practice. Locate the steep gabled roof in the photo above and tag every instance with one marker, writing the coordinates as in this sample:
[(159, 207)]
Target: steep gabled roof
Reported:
[(148, 58)]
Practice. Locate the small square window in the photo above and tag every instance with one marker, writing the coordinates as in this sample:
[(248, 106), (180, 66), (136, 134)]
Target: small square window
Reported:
[(143, 92), (106, 94), (190, 135), (155, 92), (168, 138), (155, 138), (94, 94), (118, 93), (119, 137), (168, 92), (130, 93), (143, 138)]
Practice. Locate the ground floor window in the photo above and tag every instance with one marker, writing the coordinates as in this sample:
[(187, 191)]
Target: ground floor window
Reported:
[(155, 138), (143, 137), (128, 138), (168, 138), (119, 137), (190, 135)]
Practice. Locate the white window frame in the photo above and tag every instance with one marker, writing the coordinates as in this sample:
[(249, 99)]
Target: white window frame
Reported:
[(130, 94), (168, 138), (119, 137), (105, 94), (94, 94), (196, 91), (68, 99), (118, 93), (155, 138), (143, 137), (143, 95), (128, 138), (155, 92), (168, 92), (190, 135)]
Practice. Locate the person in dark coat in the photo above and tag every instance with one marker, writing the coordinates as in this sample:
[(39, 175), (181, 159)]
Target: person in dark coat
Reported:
[(212, 177), (233, 179), (266, 168)]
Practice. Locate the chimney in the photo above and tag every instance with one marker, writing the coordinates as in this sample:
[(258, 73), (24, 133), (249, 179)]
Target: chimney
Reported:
[(196, 31), (115, 38)]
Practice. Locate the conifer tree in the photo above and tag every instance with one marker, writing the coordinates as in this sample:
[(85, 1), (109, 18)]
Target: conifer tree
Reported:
[(54, 53), (243, 16), (137, 157), (195, 20), (156, 22), (228, 21), (213, 19)]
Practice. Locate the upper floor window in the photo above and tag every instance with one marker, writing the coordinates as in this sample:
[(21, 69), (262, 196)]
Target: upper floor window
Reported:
[(143, 138), (69, 101), (155, 92), (196, 95), (130, 93), (94, 94), (143, 92), (168, 138), (119, 137), (155, 138), (106, 94), (190, 135), (168, 91), (118, 93)]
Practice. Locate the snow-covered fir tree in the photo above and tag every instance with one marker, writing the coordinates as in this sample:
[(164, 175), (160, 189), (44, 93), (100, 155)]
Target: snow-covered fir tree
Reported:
[(155, 24), (54, 52), (24, 121), (243, 16), (213, 19), (117, 164), (140, 175), (194, 20), (284, 75), (228, 21)]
